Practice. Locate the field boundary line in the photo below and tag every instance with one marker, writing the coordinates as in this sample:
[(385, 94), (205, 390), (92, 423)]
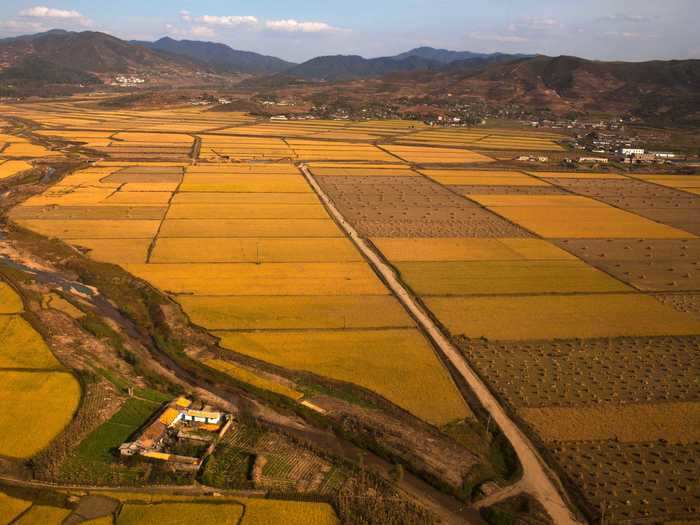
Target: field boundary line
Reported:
[(539, 479)]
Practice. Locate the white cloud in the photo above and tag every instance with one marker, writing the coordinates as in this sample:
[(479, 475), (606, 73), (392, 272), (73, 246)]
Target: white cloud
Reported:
[(620, 17), (22, 25), (202, 31), (294, 26), (41, 11), (503, 39), (185, 16), (230, 21)]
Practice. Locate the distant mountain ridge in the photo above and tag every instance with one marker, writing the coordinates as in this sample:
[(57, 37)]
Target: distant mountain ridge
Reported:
[(90, 52), (221, 57), (446, 56)]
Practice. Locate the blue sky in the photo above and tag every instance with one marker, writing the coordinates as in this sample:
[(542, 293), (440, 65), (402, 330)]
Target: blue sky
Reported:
[(298, 30)]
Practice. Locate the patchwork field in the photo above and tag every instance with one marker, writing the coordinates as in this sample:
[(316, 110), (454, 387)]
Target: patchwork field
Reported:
[(589, 338)]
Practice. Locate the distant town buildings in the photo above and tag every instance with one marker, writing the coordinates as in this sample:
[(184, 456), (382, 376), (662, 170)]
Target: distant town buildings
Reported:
[(128, 81)]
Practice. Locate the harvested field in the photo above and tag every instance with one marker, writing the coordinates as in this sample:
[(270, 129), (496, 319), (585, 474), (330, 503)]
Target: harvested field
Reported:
[(301, 312), (221, 250), (560, 317), (397, 364), (483, 178), (648, 265), (449, 278), (467, 190), (411, 207), (262, 279), (575, 372), (616, 477), (220, 228), (34, 408), (674, 423), (465, 249), (682, 302)]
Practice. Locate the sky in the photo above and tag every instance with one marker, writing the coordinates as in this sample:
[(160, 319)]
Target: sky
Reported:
[(299, 30)]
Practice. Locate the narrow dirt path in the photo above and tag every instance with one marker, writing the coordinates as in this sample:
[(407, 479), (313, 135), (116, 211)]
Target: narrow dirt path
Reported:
[(538, 479)]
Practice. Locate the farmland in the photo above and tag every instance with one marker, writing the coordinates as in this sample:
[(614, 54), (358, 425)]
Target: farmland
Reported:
[(571, 294), (33, 384)]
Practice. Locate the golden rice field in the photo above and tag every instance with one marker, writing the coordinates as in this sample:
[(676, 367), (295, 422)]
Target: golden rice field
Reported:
[(254, 250), (265, 511), (262, 279), (244, 198), (22, 346), (117, 251), (422, 155), (10, 168), (675, 423), (397, 364), (244, 511), (247, 211), (11, 507), (576, 175), (447, 278), (34, 408), (246, 376), (239, 183), (94, 229), (464, 249), (280, 312), (181, 513), (10, 302), (241, 228), (43, 515), (557, 216), (560, 316)]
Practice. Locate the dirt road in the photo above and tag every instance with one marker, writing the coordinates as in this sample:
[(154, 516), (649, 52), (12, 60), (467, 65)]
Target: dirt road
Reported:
[(538, 480)]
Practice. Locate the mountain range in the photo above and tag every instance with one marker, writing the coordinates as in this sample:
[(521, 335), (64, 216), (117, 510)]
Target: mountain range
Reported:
[(560, 83)]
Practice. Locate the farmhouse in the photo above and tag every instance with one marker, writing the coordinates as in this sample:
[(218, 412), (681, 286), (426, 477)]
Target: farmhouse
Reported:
[(179, 421)]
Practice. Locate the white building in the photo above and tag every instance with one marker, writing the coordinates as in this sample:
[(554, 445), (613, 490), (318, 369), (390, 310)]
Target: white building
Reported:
[(663, 154), (630, 152)]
